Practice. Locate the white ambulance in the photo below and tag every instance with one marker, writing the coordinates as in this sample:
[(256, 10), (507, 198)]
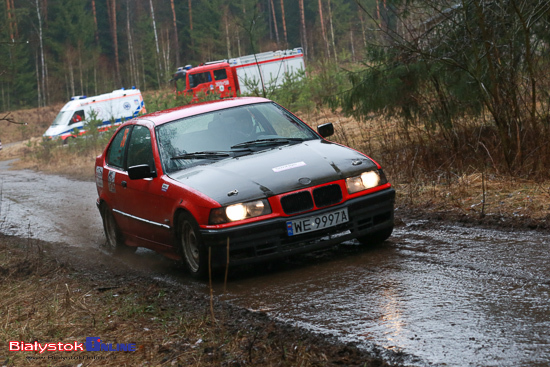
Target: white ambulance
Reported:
[(118, 106)]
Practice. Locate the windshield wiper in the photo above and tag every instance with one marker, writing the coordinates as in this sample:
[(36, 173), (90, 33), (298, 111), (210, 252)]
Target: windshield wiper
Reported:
[(270, 141), (203, 155)]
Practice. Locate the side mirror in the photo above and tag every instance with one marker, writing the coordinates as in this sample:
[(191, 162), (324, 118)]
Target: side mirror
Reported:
[(141, 171), (325, 130)]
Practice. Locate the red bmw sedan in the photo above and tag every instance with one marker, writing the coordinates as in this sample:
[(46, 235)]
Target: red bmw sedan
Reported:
[(236, 181)]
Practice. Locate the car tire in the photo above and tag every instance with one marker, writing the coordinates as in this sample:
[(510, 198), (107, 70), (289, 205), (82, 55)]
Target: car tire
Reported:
[(69, 140), (115, 243), (376, 237), (192, 248)]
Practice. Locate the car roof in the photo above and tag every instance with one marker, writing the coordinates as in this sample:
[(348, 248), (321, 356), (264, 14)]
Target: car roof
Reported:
[(207, 67), (176, 113)]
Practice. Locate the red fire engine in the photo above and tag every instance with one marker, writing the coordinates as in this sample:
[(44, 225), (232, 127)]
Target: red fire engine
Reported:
[(242, 74)]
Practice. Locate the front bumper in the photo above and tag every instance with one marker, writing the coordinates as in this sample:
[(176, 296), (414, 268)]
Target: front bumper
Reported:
[(269, 239)]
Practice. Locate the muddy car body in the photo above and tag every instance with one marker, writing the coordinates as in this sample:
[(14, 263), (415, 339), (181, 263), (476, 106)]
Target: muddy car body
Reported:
[(243, 177)]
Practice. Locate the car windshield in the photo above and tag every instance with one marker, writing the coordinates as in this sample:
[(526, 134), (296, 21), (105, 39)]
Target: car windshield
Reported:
[(228, 133), (61, 118)]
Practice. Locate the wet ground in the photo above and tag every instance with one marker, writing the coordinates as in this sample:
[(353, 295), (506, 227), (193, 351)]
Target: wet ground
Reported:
[(434, 294), (50, 208), (445, 296)]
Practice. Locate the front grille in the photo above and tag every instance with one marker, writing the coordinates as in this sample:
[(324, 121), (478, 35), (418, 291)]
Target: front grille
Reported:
[(327, 195), (302, 201), (295, 203)]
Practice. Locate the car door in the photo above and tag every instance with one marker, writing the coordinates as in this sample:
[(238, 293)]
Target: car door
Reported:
[(200, 82), (145, 207), (115, 175), (114, 169), (222, 82)]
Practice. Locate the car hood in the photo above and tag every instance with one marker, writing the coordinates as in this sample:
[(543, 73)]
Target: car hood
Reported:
[(274, 171)]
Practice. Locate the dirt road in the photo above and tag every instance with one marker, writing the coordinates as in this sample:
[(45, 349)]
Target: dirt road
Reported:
[(435, 293)]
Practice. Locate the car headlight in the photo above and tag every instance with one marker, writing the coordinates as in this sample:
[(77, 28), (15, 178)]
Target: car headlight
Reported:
[(366, 180), (240, 211)]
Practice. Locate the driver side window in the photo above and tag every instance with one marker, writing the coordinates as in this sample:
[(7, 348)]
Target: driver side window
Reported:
[(140, 149), (199, 78), (78, 116)]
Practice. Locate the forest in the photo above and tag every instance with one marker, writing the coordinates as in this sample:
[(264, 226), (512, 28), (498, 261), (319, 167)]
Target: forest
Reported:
[(53, 49), (463, 84)]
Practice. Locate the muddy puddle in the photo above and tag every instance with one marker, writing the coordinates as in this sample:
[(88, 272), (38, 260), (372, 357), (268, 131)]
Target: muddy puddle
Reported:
[(451, 296), (431, 295)]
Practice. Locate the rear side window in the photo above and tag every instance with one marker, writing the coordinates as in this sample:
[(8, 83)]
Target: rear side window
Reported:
[(117, 149), (220, 74)]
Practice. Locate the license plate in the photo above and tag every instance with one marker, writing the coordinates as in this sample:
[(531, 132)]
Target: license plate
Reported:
[(317, 222)]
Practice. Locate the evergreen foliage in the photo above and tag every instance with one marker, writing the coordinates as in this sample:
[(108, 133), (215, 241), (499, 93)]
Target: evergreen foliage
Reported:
[(438, 62), (80, 56)]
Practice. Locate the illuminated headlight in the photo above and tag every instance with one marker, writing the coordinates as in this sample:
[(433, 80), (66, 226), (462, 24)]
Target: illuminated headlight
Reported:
[(365, 181), (239, 211)]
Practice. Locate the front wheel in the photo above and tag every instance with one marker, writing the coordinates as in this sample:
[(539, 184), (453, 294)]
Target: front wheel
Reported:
[(115, 242), (192, 247), (376, 237)]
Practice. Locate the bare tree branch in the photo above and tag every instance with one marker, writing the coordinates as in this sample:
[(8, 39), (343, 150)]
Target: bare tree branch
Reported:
[(13, 42), (7, 118)]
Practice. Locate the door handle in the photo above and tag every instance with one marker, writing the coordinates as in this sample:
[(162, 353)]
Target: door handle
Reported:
[(124, 184)]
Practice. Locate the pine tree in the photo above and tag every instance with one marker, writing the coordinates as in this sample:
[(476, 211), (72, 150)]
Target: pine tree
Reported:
[(70, 37), (145, 51)]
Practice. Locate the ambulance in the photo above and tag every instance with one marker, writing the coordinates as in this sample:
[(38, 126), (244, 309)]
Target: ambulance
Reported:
[(109, 108)]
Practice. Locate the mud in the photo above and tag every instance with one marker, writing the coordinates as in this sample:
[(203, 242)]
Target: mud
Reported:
[(436, 293), (50, 208), (449, 295)]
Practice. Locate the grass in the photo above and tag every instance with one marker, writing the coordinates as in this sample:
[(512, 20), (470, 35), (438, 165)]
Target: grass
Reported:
[(474, 192), (61, 160), (478, 197), (51, 297), (32, 122)]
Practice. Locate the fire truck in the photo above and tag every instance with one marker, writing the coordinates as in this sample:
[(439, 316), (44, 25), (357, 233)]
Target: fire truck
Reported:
[(243, 74)]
